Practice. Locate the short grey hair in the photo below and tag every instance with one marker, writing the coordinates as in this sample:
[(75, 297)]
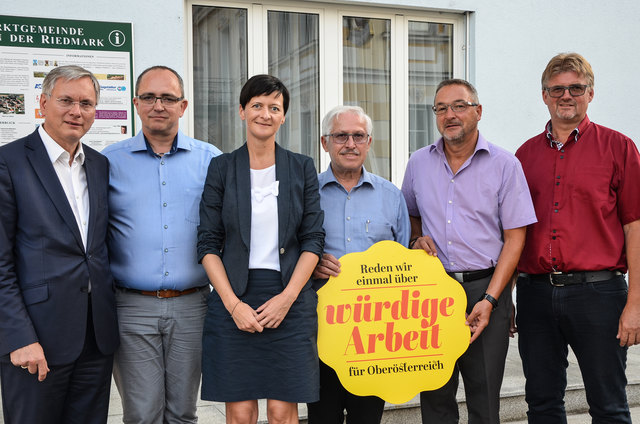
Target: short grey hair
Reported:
[(332, 115), (457, 81), (68, 73)]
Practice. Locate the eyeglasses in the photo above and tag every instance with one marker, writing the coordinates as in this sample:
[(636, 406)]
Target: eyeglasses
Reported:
[(150, 99), (67, 103), (575, 90), (341, 138), (456, 107)]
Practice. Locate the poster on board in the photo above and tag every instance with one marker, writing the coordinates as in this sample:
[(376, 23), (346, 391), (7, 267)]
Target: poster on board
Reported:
[(31, 47)]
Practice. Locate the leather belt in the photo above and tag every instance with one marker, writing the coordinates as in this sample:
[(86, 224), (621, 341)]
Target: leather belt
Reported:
[(561, 279), (164, 293), (467, 276)]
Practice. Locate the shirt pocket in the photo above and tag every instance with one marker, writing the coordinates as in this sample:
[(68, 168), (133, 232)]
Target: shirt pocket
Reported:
[(592, 183), (375, 231), (192, 205)]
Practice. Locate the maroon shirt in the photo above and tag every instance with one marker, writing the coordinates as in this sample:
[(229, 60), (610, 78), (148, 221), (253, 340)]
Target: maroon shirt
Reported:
[(583, 193)]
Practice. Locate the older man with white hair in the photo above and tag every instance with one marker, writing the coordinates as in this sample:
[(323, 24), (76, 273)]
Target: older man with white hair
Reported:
[(360, 209)]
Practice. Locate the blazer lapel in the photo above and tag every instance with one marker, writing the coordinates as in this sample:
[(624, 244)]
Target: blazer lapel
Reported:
[(42, 166), (282, 175), (243, 194)]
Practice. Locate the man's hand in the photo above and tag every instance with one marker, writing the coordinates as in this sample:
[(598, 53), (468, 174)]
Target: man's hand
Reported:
[(328, 266), (479, 318), (629, 325), (31, 358), (426, 243), (513, 328)]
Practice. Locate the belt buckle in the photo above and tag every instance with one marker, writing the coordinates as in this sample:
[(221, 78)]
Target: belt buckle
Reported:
[(458, 276), (158, 294), (553, 283)]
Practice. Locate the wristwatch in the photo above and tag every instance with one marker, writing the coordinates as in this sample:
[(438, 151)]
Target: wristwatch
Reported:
[(490, 298)]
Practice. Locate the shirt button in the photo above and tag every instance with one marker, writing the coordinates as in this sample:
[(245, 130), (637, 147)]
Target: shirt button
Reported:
[(348, 239), (162, 163), (450, 201), (452, 263), (164, 204), (282, 250), (448, 221), (166, 273), (166, 250), (452, 180), (166, 226), (348, 197), (348, 218), (164, 183), (449, 243)]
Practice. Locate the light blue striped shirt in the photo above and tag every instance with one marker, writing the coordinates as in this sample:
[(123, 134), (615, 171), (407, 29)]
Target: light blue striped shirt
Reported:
[(154, 213)]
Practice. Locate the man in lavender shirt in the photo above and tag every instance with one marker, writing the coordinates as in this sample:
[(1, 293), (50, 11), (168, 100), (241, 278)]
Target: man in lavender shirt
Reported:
[(469, 205)]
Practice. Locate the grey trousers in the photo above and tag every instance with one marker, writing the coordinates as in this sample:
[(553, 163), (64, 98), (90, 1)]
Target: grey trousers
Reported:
[(157, 366), (481, 367)]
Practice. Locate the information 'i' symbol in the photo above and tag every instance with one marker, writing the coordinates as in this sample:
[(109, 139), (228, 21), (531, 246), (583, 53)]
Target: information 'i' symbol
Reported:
[(116, 38)]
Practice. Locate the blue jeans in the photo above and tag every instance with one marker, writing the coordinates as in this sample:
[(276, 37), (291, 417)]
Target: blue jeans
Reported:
[(585, 317)]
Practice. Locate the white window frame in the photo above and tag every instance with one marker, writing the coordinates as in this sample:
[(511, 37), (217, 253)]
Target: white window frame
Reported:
[(330, 40)]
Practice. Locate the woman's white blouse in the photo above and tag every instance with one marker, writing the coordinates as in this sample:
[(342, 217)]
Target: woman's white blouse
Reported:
[(263, 251)]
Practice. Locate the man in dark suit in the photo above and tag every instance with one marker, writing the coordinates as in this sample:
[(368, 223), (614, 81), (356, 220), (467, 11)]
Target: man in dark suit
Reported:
[(58, 326)]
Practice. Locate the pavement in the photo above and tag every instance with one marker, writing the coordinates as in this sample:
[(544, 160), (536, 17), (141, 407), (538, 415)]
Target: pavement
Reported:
[(513, 406)]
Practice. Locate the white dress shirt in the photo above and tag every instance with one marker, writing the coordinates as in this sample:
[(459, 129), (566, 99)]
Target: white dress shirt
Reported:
[(72, 178)]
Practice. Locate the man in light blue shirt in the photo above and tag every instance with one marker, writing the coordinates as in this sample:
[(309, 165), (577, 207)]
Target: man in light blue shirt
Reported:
[(360, 209), (156, 181)]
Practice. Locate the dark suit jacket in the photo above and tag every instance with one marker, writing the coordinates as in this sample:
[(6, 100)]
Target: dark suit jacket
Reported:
[(44, 269), (225, 213)]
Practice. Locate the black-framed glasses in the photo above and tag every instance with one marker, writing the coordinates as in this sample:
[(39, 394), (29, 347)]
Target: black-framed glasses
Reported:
[(341, 138), (150, 99), (457, 107), (67, 103), (575, 90)]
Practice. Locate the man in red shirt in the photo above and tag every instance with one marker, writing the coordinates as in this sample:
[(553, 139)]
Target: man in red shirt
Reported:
[(571, 291)]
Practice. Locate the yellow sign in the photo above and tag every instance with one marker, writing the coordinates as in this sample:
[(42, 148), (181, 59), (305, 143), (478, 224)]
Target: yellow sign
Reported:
[(392, 324)]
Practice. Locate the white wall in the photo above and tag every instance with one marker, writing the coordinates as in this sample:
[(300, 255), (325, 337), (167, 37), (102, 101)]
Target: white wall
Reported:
[(511, 42)]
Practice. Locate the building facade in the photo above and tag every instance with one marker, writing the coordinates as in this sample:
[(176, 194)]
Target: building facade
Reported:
[(387, 58)]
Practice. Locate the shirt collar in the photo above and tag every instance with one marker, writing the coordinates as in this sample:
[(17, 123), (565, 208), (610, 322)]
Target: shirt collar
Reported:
[(481, 144), (139, 143), (173, 150), (575, 134), (328, 177), (55, 151)]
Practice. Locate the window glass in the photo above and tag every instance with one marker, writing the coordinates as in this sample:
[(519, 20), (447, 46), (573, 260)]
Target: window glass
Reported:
[(430, 61), (219, 71), (367, 82), (293, 57)]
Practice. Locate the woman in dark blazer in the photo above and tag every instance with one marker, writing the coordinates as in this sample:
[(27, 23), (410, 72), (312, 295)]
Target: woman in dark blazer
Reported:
[(259, 239)]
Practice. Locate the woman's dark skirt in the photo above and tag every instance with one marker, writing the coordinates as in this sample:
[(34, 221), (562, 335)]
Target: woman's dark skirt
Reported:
[(279, 363)]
